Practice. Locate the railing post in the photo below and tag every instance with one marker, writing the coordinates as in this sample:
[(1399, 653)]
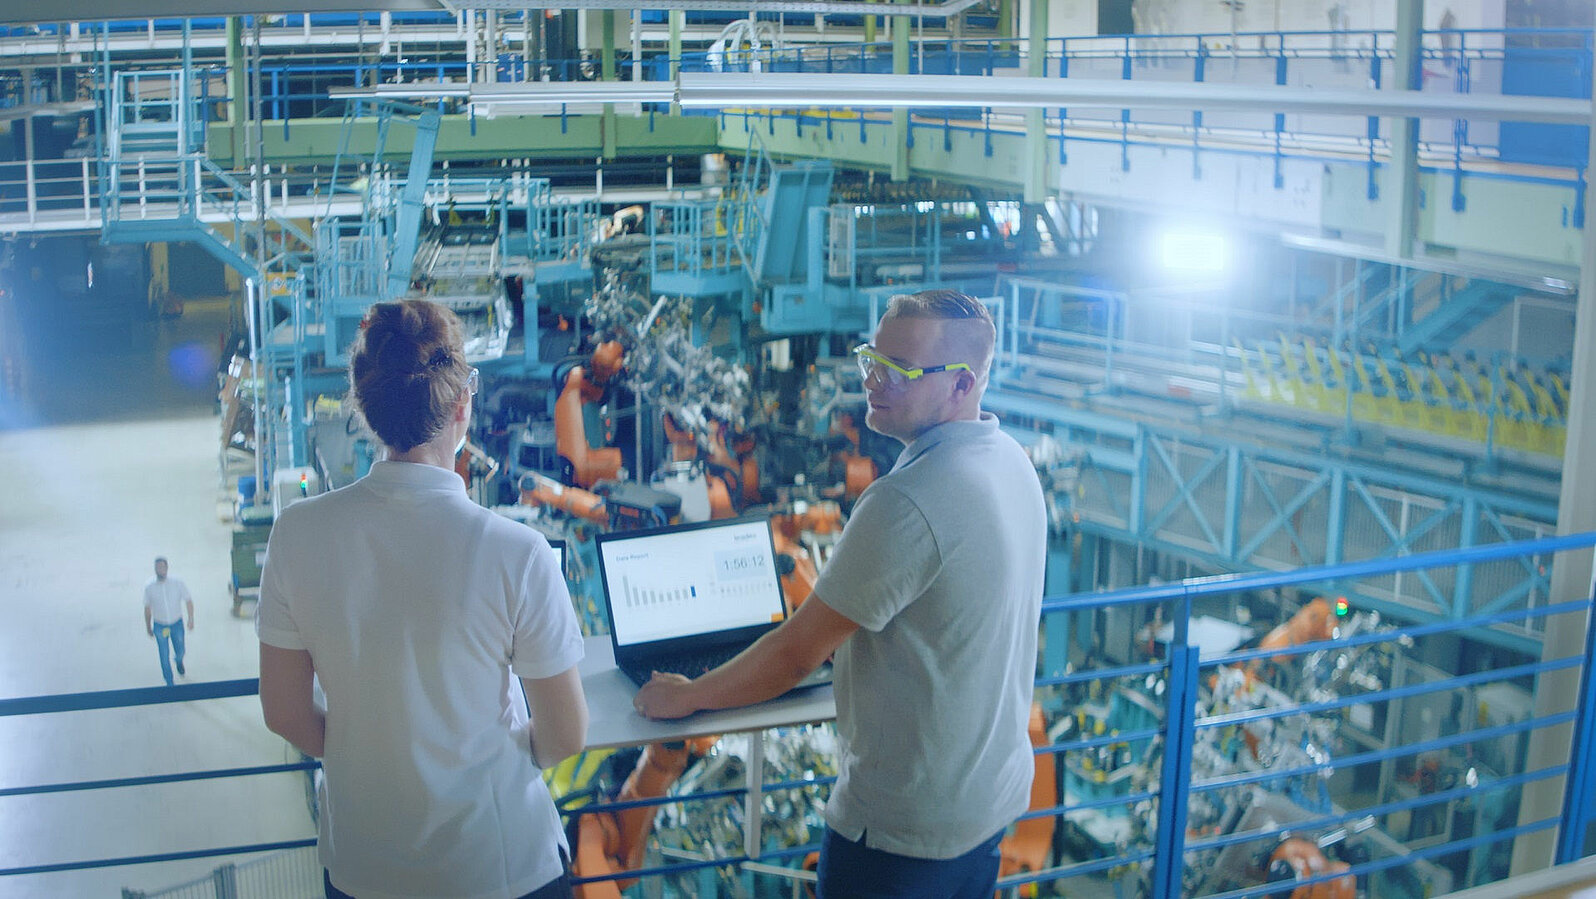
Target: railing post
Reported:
[(225, 881), (1281, 79), (33, 193), (1125, 114), (1198, 74), (1174, 784), (1373, 134), (1576, 818)]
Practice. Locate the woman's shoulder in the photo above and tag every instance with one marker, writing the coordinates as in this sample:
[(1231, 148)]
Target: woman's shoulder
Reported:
[(503, 528)]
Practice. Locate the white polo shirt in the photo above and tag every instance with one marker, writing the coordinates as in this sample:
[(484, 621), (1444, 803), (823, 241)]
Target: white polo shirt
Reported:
[(941, 565), (419, 609), (166, 599)]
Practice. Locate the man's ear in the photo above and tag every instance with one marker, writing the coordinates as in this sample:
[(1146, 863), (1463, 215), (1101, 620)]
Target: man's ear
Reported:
[(964, 381)]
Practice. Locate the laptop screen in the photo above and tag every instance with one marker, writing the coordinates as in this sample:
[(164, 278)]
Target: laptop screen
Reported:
[(689, 580)]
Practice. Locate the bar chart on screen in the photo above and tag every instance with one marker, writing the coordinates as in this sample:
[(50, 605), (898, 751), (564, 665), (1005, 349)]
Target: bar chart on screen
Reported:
[(654, 594), (690, 580)]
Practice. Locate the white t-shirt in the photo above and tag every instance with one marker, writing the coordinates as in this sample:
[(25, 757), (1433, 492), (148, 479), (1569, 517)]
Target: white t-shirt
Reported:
[(419, 608), (166, 599), (941, 565)]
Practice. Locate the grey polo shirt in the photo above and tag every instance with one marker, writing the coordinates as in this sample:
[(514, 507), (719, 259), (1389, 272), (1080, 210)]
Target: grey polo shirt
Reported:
[(941, 565)]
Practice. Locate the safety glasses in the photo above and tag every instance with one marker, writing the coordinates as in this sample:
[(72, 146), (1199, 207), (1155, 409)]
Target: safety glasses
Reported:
[(872, 363), (473, 381)]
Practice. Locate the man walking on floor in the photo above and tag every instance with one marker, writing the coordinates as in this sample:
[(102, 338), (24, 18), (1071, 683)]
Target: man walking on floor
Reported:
[(165, 598), (931, 603)]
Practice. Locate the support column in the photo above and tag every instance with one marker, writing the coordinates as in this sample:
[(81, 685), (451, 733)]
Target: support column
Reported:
[(607, 48), (900, 114), (678, 18), (1036, 119), (634, 26), (1558, 691), (870, 27), (1401, 183), (237, 73), (490, 44), (607, 72)]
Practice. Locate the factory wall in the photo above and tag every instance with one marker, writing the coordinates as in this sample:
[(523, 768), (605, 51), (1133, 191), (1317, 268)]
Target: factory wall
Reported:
[(1184, 17)]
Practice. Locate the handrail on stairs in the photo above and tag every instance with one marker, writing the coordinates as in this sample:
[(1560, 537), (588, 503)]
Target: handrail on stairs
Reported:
[(749, 185)]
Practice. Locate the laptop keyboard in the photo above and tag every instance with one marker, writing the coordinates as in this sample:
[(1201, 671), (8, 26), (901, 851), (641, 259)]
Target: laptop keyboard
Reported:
[(687, 665)]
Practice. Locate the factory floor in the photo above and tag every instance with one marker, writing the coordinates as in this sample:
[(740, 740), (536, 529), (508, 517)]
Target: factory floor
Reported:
[(1576, 880), (109, 457)]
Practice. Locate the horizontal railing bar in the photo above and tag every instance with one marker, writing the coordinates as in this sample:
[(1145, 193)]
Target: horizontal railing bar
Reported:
[(1451, 683), (1375, 811), (1395, 861), (1373, 755), (1413, 630), (110, 699), (160, 857), (1218, 585), (160, 779)]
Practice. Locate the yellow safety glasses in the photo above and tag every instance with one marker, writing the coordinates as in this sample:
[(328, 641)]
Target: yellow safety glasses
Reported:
[(873, 363)]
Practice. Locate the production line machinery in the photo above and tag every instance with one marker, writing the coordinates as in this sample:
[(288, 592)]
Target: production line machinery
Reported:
[(1292, 742)]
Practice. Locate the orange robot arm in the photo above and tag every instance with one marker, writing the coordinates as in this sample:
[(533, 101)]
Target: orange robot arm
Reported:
[(537, 490), (614, 841), (1305, 860), (1027, 848), (589, 465)]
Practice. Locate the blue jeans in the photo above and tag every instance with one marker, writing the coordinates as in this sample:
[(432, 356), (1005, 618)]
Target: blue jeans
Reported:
[(169, 634), (850, 870)]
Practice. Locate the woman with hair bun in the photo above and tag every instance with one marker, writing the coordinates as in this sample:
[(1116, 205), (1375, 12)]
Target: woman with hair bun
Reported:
[(418, 611)]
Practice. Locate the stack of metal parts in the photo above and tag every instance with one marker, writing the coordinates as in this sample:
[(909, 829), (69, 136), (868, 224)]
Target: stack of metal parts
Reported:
[(714, 828)]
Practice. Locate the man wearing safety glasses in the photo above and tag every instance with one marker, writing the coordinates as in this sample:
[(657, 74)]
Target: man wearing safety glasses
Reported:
[(930, 603)]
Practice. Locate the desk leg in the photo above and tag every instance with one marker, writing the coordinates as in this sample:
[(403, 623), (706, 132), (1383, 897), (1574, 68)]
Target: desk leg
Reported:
[(754, 801)]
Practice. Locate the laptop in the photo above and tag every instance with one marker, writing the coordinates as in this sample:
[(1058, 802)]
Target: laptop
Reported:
[(688, 597)]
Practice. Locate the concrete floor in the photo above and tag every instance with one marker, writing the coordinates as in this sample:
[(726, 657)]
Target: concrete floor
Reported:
[(109, 457)]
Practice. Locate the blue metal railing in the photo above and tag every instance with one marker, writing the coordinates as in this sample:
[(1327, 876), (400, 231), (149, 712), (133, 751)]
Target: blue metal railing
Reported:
[(1211, 736), (1554, 62), (1541, 62)]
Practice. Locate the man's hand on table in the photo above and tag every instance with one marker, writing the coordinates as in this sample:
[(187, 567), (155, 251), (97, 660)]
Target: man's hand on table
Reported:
[(665, 696)]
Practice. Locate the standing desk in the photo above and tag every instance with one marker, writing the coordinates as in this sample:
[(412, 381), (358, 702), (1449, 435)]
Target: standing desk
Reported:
[(612, 722)]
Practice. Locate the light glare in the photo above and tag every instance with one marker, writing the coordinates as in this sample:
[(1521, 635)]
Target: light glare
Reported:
[(1193, 252)]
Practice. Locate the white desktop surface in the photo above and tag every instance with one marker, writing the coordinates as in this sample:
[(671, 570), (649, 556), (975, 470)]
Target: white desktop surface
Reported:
[(613, 722)]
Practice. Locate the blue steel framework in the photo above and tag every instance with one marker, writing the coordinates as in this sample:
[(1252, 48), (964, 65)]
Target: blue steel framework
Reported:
[(1456, 61), (1167, 847), (1142, 484), (1236, 506)]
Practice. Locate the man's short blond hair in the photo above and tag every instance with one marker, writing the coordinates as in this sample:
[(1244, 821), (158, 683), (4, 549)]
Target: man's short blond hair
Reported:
[(951, 305)]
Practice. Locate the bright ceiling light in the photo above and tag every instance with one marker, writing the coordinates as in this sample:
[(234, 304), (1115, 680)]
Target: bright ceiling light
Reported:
[(1192, 251)]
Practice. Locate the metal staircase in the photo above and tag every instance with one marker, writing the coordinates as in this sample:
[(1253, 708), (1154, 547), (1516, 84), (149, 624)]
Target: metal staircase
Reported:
[(367, 260), (158, 185), (308, 293), (1455, 315)]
